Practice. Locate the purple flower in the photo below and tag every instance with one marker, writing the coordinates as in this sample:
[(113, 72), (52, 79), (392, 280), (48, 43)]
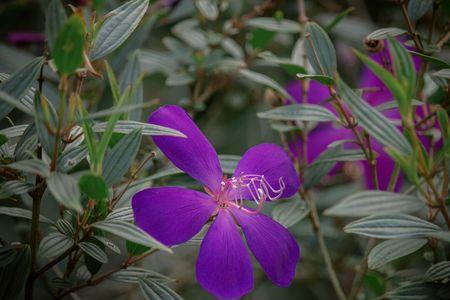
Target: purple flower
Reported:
[(173, 215), (24, 37)]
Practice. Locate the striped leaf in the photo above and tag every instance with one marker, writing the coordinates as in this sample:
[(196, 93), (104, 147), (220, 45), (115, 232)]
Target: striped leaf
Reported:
[(390, 250)]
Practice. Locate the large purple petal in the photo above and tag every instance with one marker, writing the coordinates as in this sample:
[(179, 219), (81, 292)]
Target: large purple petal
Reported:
[(172, 215), (274, 164), (223, 266), (194, 154), (273, 246)]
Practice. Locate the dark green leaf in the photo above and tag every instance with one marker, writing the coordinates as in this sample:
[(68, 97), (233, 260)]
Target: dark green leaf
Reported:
[(320, 50), (68, 49), (93, 186)]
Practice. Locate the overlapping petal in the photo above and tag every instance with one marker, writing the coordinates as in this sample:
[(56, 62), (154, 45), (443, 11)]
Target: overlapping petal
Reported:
[(272, 244), (194, 154), (223, 266), (172, 215), (273, 163)]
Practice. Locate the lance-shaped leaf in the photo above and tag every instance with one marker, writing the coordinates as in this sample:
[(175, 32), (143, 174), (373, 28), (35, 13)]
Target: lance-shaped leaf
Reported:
[(153, 290), (130, 77), (14, 131), (368, 203), (320, 50), (26, 144), (390, 250), (438, 272), (147, 129), (54, 21), (133, 274), (121, 214), (33, 166), (267, 81), (18, 84), (392, 226), (319, 78), (208, 9), (272, 24), (45, 120), (444, 73), (110, 245), (65, 190), (54, 244), (383, 33), (373, 121), (417, 8), (412, 291), (299, 112), (290, 212), (405, 73), (93, 251), (315, 173), (341, 155), (68, 49), (119, 159), (131, 233), (22, 213), (14, 187), (118, 27), (70, 158)]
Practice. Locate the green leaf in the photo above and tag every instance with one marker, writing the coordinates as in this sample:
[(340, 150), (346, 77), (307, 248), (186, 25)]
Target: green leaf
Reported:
[(3, 139), (89, 136), (444, 123), (54, 21), (341, 155), (133, 274), (14, 131), (314, 173), (384, 33), (153, 290), (320, 50), (135, 249), (33, 166), (438, 272), (147, 129), (131, 233), (121, 214), (267, 81), (390, 250), (119, 159), (118, 27), (384, 75), (44, 117), (208, 9), (431, 59), (130, 77), (368, 203), (444, 73), (70, 158), (373, 121), (27, 144), (290, 212), (405, 72), (65, 227), (14, 275), (286, 63), (337, 19), (319, 78), (107, 243), (22, 213), (274, 25), (299, 112), (93, 186), (17, 85), (392, 226), (65, 190), (54, 244), (259, 38), (417, 8), (407, 163), (14, 187), (94, 251), (68, 49), (394, 104)]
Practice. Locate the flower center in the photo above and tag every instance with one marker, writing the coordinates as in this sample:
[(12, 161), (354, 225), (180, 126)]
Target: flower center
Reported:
[(254, 187)]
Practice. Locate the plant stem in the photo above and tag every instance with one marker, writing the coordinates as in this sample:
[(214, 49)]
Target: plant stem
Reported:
[(323, 248)]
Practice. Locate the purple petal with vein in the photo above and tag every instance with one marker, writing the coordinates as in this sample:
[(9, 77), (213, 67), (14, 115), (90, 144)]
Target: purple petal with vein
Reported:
[(223, 266), (172, 215), (273, 246), (194, 154)]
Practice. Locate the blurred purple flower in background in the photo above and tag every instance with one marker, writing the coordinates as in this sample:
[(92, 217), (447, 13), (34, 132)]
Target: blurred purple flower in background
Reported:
[(173, 215), (18, 38), (375, 93)]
